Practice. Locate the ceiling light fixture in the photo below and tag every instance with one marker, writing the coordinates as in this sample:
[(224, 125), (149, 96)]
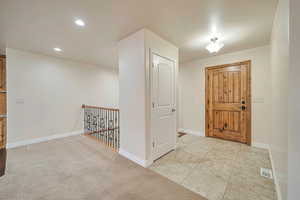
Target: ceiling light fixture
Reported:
[(79, 22), (214, 46), (57, 49)]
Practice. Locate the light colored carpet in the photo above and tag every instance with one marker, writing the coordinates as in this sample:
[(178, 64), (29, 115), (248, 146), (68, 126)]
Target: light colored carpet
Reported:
[(80, 168)]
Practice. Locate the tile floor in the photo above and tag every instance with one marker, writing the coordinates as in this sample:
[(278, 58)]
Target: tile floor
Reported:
[(218, 169), (80, 168)]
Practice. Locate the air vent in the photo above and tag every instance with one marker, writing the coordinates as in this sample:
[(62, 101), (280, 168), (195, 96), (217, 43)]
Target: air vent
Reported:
[(267, 173)]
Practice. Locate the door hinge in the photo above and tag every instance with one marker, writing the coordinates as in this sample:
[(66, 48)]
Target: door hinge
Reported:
[(153, 144), (153, 104), (208, 126)]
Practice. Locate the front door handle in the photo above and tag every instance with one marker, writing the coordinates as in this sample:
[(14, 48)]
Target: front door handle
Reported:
[(243, 107)]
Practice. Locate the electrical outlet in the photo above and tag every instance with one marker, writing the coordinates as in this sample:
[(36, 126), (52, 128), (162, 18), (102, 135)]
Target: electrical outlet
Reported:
[(267, 173)]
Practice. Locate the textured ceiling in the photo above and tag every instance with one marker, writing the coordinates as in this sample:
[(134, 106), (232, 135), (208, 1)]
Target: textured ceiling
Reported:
[(40, 25)]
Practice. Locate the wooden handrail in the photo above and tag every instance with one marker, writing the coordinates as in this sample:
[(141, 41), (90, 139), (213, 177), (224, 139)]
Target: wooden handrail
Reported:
[(96, 107), (101, 131)]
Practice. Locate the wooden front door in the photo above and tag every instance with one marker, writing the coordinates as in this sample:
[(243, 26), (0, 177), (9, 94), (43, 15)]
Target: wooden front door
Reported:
[(228, 102), (2, 114)]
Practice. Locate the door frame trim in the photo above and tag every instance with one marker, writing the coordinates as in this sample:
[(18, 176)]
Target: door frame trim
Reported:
[(249, 98)]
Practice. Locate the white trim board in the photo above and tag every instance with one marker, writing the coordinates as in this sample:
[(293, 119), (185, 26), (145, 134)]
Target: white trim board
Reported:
[(134, 158), (42, 139), (266, 146), (278, 191), (191, 132), (261, 145)]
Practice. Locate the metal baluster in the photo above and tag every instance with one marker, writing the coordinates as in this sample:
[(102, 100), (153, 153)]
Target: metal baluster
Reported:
[(106, 126), (109, 132), (93, 121), (103, 125), (112, 128), (109, 127), (118, 129), (115, 126), (108, 140), (84, 120), (88, 120), (118, 125), (113, 136), (98, 124)]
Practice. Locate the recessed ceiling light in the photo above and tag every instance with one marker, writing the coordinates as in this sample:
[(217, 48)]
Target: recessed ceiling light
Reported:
[(57, 49), (79, 22)]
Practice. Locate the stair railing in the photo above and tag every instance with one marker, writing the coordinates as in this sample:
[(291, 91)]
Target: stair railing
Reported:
[(103, 124)]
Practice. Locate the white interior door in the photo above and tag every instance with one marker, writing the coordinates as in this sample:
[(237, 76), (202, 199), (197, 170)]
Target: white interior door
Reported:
[(163, 106)]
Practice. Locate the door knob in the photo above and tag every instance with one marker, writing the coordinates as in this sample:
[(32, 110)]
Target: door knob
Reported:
[(243, 107), (173, 109)]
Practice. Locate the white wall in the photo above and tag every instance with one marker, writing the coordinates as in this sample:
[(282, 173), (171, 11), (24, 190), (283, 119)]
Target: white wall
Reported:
[(45, 94), (134, 76), (294, 105), (280, 92), (132, 95), (192, 91)]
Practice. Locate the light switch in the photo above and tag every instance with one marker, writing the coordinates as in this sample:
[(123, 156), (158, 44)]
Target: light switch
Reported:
[(19, 101)]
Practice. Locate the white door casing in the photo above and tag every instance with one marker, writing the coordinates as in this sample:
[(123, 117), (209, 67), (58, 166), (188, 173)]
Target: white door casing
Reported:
[(163, 115)]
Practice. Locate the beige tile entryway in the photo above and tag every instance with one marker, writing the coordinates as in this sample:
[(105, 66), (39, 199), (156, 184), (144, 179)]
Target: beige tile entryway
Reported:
[(218, 169)]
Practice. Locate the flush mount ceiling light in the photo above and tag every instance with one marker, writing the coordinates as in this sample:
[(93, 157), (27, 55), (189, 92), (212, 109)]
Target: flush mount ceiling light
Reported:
[(79, 22), (57, 49), (214, 46)]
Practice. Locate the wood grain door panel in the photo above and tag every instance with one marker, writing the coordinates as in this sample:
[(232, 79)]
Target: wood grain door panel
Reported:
[(227, 92), (3, 132), (2, 102), (2, 74), (3, 115)]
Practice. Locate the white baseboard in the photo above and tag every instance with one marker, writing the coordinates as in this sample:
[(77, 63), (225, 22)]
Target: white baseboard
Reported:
[(191, 132), (266, 146), (42, 139), (278, 191), (261, 145), (134, 158)]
